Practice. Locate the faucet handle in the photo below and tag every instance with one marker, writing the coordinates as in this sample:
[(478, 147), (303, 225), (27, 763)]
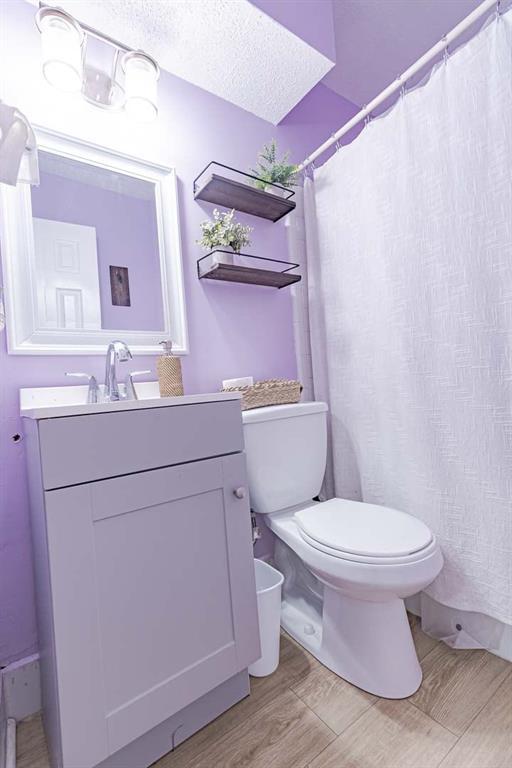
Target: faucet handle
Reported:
[(93, 391), (131, 394)]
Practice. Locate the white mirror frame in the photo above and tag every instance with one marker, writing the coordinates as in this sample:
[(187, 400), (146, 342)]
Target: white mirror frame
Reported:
[(17, 250)]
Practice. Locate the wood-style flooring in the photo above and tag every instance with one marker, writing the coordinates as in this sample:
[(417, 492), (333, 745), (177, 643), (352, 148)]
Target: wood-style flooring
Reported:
[(304, 716)]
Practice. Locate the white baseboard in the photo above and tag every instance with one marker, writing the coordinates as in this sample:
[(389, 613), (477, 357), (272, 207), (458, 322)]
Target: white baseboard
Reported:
[(10, 743), (3, 731), (7, 737), (21, 688)]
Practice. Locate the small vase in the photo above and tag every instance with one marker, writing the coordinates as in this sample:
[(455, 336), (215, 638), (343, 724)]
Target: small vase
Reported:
[(276, 191), (223, 258)]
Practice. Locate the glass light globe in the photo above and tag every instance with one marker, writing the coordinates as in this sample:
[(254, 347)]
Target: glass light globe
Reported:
[(61, 44), (141, 76)]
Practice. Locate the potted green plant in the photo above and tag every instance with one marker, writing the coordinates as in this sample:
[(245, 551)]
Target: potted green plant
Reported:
[(271, 171), (224, 232)]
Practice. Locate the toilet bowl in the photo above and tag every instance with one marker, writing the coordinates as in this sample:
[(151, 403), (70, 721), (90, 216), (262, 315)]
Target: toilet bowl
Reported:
[(347, 565)]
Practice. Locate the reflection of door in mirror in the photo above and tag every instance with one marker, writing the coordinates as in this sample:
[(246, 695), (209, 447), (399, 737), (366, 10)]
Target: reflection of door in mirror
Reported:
[(67, 281), (120, 213)]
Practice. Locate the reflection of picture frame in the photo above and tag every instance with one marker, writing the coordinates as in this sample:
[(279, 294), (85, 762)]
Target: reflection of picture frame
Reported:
[(120, 286)]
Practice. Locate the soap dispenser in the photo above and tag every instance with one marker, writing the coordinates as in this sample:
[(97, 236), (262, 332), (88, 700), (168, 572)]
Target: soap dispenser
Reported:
[(168, 368)]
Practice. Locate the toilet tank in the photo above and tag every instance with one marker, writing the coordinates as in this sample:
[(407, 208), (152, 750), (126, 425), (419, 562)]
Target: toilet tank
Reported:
[(286, 449)]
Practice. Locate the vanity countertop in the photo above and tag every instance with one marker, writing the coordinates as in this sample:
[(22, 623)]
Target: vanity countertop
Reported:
[(56, 402)]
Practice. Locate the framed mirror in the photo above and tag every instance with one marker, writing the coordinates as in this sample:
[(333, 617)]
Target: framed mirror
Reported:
[(92, 254)]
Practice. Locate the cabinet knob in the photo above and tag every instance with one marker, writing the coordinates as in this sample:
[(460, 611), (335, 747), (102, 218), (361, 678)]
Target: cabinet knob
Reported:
[(240, 493)]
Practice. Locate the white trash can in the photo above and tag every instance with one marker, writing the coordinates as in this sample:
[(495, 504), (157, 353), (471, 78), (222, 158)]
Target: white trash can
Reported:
[(268, 589)]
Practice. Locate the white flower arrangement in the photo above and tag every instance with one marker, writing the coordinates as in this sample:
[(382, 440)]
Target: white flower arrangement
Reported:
[(224, 231)]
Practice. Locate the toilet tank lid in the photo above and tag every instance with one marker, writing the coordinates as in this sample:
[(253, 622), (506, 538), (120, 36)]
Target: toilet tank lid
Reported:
[(271, 412)]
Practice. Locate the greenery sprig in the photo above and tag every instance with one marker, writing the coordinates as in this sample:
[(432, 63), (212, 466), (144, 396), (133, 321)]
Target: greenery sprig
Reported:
[(273, 171)]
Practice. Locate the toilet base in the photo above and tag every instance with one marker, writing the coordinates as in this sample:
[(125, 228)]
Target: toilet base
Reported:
[(369, 644)]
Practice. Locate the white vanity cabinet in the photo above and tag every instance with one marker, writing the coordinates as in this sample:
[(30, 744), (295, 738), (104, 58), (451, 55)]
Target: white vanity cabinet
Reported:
[(145, 577)]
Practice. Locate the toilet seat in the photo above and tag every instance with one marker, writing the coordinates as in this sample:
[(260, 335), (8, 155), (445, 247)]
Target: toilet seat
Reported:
[(365, 559), (363, 532)]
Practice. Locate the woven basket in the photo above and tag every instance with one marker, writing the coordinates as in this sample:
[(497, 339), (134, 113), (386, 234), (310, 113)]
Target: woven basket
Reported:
[(269, 392)]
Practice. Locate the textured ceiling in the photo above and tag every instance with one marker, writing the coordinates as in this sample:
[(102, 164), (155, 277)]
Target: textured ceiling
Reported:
[(228, 47), (376, 40)]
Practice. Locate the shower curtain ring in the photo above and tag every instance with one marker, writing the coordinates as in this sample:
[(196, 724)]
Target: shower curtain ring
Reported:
[(446, 52), (403, 91), (498, 9)]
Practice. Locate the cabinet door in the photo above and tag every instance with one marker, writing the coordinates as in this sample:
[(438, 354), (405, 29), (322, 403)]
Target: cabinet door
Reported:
[(153, 596)]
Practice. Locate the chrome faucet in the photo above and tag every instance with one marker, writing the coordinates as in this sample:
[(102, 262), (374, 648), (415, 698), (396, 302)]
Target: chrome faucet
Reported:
[(117, 350)]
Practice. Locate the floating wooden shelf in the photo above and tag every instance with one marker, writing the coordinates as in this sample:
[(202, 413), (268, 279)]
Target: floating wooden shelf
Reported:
[(210, 268), (239, 193)]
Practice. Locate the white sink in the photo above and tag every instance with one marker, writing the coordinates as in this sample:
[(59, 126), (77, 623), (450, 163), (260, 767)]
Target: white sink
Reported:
[(54, 402)]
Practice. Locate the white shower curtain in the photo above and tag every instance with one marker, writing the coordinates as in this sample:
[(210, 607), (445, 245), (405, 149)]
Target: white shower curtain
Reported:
[(409, 292)]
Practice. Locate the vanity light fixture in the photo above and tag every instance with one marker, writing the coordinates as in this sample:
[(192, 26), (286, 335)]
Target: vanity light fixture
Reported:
[(128, 80)]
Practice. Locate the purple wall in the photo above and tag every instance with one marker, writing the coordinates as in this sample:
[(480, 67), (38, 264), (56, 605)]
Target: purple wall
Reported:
[(233, 330), (311, 20), (126, 236)]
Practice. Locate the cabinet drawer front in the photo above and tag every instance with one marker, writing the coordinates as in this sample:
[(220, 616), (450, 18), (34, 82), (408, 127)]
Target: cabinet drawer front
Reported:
[(79, 449)]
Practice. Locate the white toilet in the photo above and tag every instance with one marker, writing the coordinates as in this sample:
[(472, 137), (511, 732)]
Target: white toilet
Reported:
[(347, 565)]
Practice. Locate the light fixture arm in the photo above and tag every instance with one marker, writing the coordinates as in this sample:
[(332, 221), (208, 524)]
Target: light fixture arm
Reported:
[(31, 143), (18, 147)]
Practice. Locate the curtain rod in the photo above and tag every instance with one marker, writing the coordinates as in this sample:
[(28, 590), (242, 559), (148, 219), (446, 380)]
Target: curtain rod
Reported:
[(401, 80)]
